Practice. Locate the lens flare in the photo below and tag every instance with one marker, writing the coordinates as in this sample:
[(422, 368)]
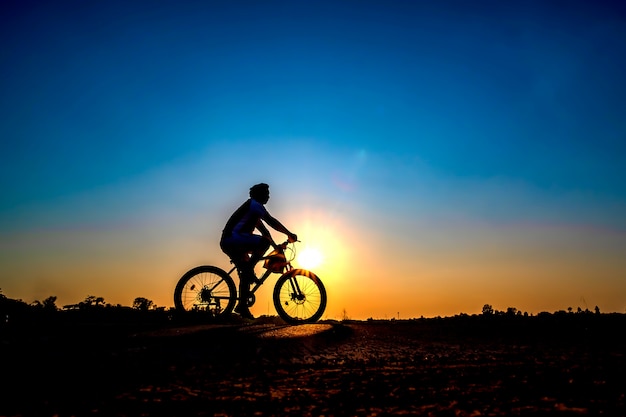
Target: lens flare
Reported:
[(310, 258)]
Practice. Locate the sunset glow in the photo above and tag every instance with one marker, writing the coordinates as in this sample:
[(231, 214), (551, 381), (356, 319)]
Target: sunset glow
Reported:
[(309, 258), (431, 157)]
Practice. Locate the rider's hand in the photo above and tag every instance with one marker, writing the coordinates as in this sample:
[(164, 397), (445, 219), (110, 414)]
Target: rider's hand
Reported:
[(292, 238)]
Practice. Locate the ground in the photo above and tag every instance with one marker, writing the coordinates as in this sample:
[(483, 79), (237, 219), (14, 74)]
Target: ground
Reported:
[(460, 366)]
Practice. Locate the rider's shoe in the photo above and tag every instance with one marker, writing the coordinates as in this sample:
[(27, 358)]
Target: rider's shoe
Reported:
[(244, 312)]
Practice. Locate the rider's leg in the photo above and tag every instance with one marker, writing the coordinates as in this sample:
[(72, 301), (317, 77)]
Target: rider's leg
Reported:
[(262, 246), (238, 247), (244, 272), (246, 267), (242, 305), (236, 251)]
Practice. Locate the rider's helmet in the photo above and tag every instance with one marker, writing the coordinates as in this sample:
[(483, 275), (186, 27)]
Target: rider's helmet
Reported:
[(275, 261)]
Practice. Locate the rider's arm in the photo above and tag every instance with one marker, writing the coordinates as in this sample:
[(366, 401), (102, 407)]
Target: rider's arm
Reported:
[(274, 223), (266, 233)]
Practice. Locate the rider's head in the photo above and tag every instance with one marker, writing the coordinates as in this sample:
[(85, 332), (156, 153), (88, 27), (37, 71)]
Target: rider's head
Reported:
[(260, 192)]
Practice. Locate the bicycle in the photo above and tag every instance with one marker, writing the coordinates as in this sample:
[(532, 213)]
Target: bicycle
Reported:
[(299, 295)]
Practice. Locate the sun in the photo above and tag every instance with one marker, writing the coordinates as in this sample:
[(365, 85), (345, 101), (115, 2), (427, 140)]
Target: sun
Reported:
[(310, 258)]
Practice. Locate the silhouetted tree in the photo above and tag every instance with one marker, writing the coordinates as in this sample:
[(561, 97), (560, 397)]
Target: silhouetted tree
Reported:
[(487, 310), (511, 311), (91, 301), (142, 304), (11, 307), (49, 303)]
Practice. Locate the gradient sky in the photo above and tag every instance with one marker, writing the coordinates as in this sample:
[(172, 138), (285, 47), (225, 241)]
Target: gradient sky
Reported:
[(442, 155)]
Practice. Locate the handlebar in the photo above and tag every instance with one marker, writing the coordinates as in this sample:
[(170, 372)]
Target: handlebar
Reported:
[(284, 245)]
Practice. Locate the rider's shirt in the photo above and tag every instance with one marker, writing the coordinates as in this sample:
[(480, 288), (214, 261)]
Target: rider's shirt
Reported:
[(245, 219)]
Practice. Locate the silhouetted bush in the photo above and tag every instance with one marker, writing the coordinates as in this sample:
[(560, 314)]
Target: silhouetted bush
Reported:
[(143, 304)]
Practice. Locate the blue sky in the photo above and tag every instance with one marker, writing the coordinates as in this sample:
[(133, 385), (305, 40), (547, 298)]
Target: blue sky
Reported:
[(428, 123)]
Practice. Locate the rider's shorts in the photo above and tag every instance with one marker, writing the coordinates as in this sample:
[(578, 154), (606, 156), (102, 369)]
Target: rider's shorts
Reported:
[(239, 243)]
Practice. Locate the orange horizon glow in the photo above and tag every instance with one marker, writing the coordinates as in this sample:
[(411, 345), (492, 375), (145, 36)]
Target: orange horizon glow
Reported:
[(373, 265)]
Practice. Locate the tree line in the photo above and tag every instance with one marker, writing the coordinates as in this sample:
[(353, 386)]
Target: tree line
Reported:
[(488, 310), (91, 302)]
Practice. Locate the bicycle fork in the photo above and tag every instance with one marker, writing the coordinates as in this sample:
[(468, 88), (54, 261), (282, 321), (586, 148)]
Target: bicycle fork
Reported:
[(296, 293)]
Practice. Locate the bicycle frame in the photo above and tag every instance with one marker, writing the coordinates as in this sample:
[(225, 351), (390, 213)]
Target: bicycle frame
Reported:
[(260, 281), (299, 295)]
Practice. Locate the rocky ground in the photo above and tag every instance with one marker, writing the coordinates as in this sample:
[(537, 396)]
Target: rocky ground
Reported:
[(446, 367)]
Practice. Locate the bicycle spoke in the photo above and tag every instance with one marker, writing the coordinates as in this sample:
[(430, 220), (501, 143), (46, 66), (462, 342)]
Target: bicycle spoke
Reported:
[(207, 289), (300, 297)]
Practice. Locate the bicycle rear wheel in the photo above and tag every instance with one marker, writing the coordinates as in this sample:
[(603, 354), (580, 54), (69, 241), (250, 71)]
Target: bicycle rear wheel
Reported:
[(206, 288), (299, 297)]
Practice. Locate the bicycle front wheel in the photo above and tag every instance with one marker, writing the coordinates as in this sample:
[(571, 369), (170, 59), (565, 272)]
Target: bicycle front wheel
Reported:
[(299, 297), (206, 288)]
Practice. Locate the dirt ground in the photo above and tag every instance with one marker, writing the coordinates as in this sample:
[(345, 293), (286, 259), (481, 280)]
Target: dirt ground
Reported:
[(414, 367)]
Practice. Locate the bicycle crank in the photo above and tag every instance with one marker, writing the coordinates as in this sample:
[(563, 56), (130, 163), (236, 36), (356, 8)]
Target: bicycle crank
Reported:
[(251, 300)]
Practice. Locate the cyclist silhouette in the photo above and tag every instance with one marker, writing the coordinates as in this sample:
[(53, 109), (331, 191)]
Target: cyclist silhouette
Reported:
[(244, 247)]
